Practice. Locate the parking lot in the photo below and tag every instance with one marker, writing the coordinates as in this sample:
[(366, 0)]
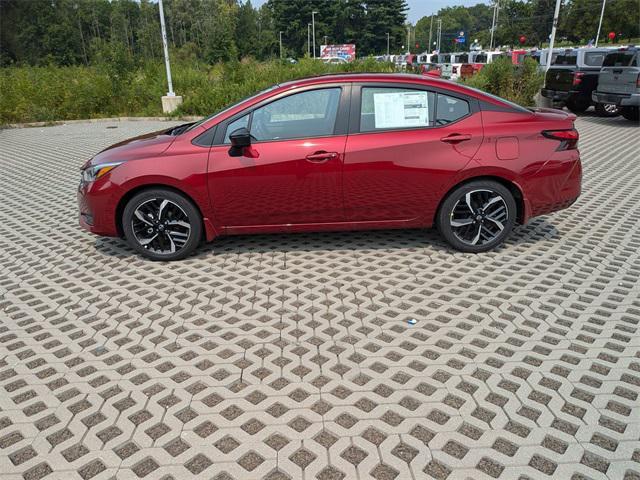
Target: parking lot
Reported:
[(293, 356)]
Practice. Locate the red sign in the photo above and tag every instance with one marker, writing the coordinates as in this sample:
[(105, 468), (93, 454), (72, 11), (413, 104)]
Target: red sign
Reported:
[(346, 51)]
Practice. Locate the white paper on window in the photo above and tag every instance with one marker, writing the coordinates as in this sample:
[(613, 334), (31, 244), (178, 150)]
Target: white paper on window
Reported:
[(401, 109)]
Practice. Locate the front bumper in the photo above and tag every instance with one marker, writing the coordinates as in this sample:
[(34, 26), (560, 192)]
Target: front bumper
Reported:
[(620, 99), (96, 207)]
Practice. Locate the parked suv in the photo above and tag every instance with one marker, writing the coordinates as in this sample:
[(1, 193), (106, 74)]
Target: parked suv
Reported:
[(573, 76), (619, 82)]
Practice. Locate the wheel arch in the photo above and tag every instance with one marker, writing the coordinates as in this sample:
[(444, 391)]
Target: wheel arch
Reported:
[(513, 187), (150, 186)]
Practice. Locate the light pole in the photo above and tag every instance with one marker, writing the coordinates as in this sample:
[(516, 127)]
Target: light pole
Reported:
[(308, 39), (430, 30), (325, 39), (313, 23), (493, 24), (604, 2), (439, 34), (170, 101), (388, 56), (408, 39), (280, 44), (556, 14)]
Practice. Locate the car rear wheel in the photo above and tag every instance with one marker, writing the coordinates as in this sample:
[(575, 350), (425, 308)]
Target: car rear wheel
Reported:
[(162, 224), (631, 113), (607, 110), (477, 216)]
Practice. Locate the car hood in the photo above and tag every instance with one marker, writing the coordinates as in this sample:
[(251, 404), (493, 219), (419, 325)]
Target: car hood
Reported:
[(142, 146)]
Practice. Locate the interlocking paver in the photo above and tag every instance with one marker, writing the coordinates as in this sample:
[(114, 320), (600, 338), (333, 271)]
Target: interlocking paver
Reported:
[(269, 356)]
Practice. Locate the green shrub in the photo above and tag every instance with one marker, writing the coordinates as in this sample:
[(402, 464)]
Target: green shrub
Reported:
[(517, 83), (118, 87)]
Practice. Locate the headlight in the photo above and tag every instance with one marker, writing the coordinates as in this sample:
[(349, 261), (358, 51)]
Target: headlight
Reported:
[(94, 172)]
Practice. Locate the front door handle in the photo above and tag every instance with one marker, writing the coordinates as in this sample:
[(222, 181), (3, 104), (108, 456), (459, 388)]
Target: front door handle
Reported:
[(321, 156), (455, 138)]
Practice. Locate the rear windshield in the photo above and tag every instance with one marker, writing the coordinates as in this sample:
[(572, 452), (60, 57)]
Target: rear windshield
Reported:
[(594, 59), (620, 59), (564, 59)]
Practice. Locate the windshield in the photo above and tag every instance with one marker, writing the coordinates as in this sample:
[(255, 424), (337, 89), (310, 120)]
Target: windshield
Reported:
[(226, 109), (620, 59)]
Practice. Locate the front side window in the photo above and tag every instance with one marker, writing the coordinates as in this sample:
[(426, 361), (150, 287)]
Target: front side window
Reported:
[(384, 108), (306, 114), (242, 122)]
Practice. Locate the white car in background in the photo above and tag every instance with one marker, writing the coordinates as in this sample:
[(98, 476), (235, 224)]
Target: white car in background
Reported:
[(334, 60)]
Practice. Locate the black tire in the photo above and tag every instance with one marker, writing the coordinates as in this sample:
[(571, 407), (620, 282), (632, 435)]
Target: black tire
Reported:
[(607, 110), (577, 105), (631, 113), (158, 211), (486, 213)]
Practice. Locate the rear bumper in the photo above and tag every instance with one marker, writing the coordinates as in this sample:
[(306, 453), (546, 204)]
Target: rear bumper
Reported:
[(556, 95), (555, 186), (623, 100)]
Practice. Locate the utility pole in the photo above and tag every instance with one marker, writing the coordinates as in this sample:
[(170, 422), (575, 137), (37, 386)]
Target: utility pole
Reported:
[(163, 29), (313, 23), (308, 39), (408, 39), (170, 101), (604, 2), (556, 14), (439, 34), (388, 56), (430, 30), (493, 24), (280, 44)]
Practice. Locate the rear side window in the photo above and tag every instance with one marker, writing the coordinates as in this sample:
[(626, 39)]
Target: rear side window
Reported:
[(594, 59), (621, 59), (449, 109), (385, 108)]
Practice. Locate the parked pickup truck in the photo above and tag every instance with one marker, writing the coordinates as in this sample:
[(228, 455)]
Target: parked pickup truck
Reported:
[(619, 82), (573, 76)]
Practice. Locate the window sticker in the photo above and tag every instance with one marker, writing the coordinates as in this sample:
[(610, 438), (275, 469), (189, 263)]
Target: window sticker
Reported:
[(401, 109)]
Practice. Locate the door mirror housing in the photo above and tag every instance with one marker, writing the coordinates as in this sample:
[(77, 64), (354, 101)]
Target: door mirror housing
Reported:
[(240, 140)]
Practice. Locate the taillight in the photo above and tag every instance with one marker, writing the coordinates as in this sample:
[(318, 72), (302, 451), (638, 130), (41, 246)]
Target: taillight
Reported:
[(568, 138), (577, 78)]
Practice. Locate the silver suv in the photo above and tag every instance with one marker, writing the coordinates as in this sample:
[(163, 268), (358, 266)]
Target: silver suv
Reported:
[(619, 82)]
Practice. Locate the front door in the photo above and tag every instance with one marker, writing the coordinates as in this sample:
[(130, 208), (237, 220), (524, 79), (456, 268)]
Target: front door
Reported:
[(293, 172)]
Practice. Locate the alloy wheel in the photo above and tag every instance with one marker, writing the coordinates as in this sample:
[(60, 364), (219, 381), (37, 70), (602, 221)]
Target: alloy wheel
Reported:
[(160, 226), (479, 217)]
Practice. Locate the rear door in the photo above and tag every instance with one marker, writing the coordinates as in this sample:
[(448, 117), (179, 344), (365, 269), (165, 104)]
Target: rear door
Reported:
[(619, 73), (405, 143)]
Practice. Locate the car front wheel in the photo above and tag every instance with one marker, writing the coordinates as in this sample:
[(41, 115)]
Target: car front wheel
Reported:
[(162, 224), (477, 216)]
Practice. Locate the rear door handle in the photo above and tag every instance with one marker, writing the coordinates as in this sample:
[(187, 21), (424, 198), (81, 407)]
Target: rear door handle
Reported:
[(321, 157), (455, 138)]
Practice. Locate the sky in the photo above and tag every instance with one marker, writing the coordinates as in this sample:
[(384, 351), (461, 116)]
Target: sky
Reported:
[(418, 8)]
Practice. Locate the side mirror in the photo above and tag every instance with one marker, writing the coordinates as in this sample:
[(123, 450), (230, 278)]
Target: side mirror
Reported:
[(240, 139)]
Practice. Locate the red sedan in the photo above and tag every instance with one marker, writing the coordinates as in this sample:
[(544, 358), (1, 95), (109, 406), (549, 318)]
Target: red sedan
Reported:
[(338, 152)]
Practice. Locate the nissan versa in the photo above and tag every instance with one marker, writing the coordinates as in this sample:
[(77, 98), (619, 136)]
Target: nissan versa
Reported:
[(337, 152)]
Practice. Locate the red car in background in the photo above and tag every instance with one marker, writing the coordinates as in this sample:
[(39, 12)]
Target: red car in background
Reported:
[(337, 152)]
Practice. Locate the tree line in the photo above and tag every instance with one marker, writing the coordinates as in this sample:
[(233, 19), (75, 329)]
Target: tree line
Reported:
[(76, 32)]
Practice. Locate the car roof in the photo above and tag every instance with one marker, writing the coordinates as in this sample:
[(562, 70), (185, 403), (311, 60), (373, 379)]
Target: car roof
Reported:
[(386, 78)]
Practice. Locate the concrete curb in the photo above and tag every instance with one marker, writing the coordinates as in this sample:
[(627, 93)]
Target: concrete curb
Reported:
[(52, 123)]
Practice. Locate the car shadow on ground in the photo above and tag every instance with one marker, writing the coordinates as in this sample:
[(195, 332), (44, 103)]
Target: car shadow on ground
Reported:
[(535, 231), (618, 122)]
